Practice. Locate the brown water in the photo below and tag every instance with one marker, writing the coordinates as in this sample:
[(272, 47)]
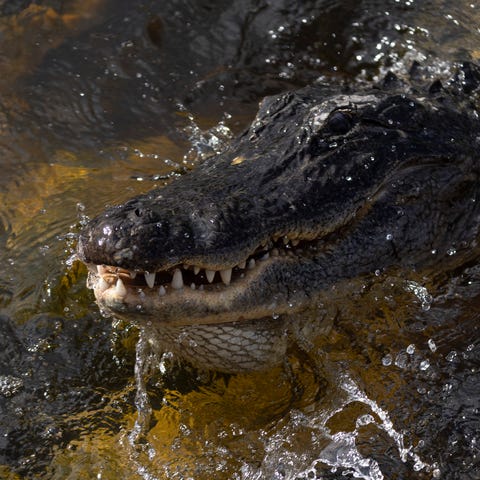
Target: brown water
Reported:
[(103, 99)]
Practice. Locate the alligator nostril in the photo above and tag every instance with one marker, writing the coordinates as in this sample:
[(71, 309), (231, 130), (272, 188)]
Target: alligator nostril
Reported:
[(138, 212)]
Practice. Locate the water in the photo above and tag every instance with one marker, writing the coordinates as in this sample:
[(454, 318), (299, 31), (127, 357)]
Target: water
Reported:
[(101, 100)]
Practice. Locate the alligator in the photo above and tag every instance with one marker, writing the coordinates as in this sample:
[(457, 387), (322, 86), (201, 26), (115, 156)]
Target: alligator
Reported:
[(328, 183)]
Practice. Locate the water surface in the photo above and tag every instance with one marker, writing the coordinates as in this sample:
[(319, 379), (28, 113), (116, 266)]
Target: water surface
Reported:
[(101, 100)]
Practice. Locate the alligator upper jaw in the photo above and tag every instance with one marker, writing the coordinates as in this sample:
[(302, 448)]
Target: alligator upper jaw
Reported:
[(191, 294)]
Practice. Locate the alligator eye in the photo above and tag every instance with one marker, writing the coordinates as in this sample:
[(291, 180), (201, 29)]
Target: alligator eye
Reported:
[(339, 122)]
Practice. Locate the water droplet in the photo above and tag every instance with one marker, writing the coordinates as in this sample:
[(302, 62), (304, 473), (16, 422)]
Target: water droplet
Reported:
[(421, 293), (107, 230), (387, 360), (451, 356), (436, 473), (424, 365), (411, 349), (431, 345), (401, 360)]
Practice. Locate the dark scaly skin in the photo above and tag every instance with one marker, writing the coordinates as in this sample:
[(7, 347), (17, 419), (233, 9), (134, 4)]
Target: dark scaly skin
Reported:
[(364, 180)]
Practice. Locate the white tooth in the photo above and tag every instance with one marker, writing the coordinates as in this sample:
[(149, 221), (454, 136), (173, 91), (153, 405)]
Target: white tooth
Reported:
[(133, 275), (102, 284), (275, 252), (242, 265), (295, 242), (192, 286), (101, 269), (177, 280), (185, 266), (210, 275), (266, 256), (196, 270), (150, 279), (285, 240), (120, 290), (251, 263), (226, 276), (201, 287), (162, 291)]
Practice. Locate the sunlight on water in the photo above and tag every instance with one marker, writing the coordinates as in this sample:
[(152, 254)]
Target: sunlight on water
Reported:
[(328, 433), (101, 100)]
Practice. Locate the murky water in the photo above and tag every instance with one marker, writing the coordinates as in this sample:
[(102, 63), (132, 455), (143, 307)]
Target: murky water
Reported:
[(103, 99)]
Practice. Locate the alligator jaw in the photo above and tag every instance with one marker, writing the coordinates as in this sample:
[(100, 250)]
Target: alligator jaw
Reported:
[(192, 291)]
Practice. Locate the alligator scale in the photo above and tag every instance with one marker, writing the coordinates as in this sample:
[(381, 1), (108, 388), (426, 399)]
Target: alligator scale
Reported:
[(325, 185)]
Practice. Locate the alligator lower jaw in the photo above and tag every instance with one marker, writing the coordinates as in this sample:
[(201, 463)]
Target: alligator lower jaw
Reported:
[(190, 295)]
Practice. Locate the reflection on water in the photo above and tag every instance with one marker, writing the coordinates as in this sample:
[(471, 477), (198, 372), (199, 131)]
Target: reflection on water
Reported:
[(103, 99)]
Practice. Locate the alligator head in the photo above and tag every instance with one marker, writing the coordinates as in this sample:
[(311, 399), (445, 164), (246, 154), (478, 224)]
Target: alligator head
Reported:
[(324, 185)]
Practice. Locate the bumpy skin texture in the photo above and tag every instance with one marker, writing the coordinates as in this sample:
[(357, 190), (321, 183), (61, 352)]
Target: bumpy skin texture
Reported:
[(364, 180)]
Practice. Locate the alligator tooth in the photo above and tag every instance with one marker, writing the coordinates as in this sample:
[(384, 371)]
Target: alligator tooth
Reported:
[(177, 280), (162, 291), (193, 286), (150, 279), (102, 284), (133, 275), (251, 263), (266, 256), (196, 270), (101, 269), (295, 242), (210, 275), (185, 266), (120, 290), (226, 276), (285, 240), (275, 252), (242, 265)]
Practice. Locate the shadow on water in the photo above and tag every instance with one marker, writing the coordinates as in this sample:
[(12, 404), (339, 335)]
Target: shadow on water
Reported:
[(101, 100)]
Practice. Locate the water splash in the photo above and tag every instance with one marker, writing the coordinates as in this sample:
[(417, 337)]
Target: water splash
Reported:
[(145, 364), (421, 293), (141, 451), (342, 454), (205, 143)]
